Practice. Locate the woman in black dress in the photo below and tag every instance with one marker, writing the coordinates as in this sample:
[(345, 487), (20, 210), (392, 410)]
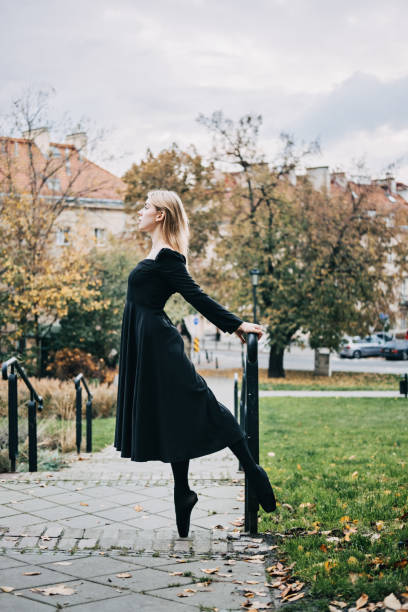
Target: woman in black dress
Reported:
[(165, 409)]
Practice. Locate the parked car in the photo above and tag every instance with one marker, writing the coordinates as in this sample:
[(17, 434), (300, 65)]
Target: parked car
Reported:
[(370, 346), (385, 336), (396, 349)]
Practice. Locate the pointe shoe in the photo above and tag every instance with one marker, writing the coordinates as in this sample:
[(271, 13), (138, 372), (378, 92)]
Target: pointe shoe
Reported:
[(263, 489), (183, 511)]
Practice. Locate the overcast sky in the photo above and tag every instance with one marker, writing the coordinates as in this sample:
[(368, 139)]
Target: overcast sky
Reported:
[(337, 71)]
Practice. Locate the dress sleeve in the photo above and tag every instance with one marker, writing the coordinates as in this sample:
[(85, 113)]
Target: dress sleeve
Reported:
[(172, 267)]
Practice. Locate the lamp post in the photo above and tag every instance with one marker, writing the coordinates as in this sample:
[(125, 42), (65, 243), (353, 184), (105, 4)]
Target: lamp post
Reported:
[(254, 278)]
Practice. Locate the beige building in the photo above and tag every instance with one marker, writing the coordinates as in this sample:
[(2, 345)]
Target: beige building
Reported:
[(86, 193)]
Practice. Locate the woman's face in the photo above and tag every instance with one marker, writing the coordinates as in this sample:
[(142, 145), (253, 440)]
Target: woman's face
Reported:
[(149, 216)]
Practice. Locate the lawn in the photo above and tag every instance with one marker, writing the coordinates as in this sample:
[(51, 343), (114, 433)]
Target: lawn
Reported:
[(339, 467), (306, 380)]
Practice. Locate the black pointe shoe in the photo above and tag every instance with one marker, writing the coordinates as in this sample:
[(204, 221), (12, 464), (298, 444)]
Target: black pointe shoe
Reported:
[(263, 489), (183, 508)]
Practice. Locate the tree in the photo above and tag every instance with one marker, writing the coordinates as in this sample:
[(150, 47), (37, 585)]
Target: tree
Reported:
[(185, 173), (38, 181), (97, 331), (322, 258)]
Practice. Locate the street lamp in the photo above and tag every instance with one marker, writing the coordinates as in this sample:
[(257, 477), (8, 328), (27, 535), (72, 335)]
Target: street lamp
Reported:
[(254, 278)]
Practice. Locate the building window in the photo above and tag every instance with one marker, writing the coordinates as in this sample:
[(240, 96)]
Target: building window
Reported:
[(99, 235), (16, 149), (54, 183), (63, 236)]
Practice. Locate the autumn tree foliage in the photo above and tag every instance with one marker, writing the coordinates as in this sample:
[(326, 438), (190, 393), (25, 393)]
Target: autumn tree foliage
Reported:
[(194, 181), (322, 255), (38, 281)]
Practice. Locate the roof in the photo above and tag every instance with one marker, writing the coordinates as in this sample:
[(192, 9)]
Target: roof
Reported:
[(77, 176)]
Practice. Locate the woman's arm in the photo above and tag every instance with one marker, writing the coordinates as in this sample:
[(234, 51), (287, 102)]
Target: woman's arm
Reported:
[(177, 276)]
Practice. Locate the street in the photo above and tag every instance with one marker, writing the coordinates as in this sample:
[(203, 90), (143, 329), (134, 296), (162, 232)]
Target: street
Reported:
[(228, 352)]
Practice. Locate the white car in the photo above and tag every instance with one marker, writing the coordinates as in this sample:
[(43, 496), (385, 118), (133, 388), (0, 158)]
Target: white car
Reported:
[(356, 347)]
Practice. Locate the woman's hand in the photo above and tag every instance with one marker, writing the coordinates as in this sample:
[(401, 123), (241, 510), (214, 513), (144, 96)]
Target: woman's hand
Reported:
[(246, 328)]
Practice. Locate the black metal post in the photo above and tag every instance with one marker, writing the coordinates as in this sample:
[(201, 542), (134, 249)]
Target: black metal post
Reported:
[(12, 419), (254, 295), (78, 416), (252, 429), (32, 434), (236, 395), (89, 426), (242, 407)]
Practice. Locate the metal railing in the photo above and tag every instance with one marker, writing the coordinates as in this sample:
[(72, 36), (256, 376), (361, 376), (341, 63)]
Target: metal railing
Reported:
[(78, 413), (249, 421), (35, 403)]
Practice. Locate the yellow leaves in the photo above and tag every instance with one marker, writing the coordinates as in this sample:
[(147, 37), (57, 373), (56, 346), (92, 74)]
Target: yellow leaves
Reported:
[(354, 475), (299, 467), (329, 565), (345, 519), (352, 561)]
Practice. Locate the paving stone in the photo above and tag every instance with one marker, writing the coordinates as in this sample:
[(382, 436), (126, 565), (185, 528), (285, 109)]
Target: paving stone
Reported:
[(67, 543), (86, 543), (91, 566), (144, 560), (28, 542), (73, 532), (10, 601), (40, 557), (143, 579), (54, 531), (136, 601), (222, 595), (56, 513), (15, 576), (6, 562), (85, 592), (84, 521)]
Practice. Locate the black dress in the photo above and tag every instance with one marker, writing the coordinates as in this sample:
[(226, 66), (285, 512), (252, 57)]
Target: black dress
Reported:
[(165, 409)]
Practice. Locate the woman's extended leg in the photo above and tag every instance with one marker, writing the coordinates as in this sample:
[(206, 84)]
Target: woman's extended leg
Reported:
[(256, 475), (184, 498)]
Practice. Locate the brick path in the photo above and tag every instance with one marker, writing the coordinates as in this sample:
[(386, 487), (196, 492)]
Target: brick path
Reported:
[(105, 528)]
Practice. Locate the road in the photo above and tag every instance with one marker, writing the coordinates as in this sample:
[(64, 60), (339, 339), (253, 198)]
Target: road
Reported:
[(228, 352)]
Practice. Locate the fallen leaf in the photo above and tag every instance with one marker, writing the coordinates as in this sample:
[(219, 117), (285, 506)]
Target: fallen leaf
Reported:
[(138, 508), (6, 589), (392, 602), (361, 601), (210, 570), (83, 504), (31, 573), (63, 563), (339, 604), (124, 575), (56, 589), (354, 474)]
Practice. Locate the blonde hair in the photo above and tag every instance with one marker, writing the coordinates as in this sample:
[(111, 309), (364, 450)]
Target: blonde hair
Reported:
[(176, 227)]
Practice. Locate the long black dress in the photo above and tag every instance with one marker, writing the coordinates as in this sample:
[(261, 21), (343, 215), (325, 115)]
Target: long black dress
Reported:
[(165, 409)]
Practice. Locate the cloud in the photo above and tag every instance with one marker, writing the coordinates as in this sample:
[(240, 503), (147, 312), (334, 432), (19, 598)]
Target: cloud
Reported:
[(146, 70)]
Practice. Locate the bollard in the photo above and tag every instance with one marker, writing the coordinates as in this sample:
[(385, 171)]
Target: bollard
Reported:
[(78, 416), (12, 419)]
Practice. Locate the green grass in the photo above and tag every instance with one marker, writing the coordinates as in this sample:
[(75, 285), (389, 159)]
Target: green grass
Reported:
[(103, 433), (306, 380), (346, 459)]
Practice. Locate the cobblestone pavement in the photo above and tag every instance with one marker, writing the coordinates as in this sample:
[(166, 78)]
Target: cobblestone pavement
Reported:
[(104, 528)]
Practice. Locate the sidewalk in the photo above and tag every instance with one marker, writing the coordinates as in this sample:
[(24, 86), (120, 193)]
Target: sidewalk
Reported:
[(102, 534)]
